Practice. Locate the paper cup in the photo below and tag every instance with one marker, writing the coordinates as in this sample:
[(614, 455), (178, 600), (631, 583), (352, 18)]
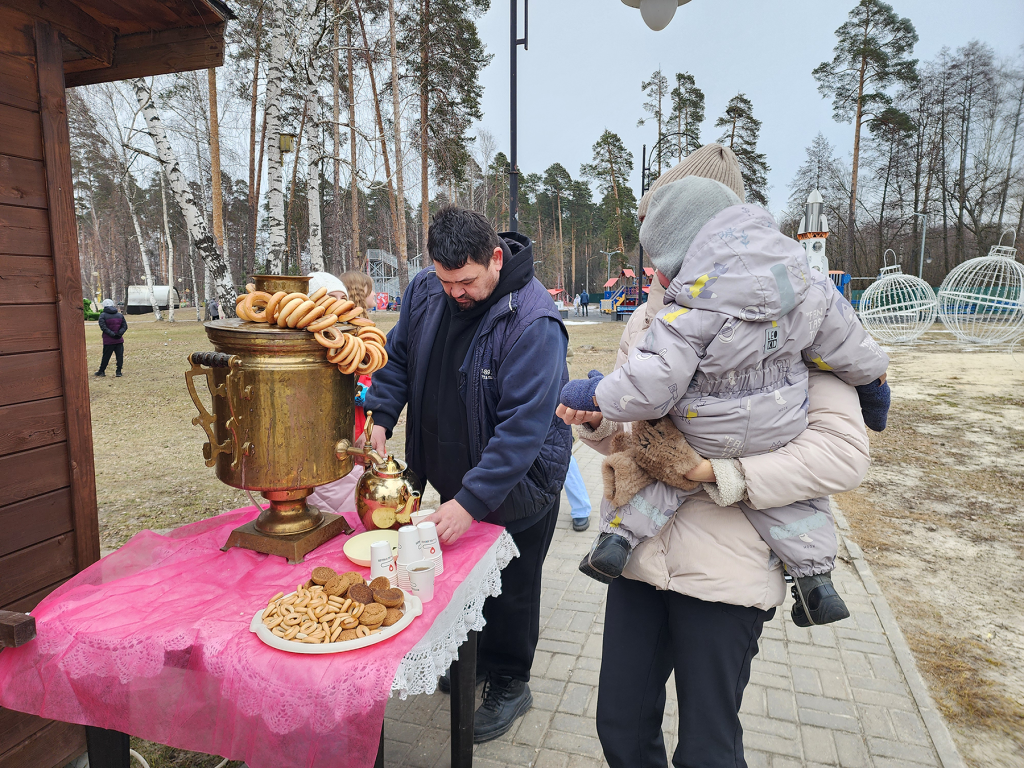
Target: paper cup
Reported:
[(408, 545), (430, 547), (421, 578), (382, 562), (417, 517)]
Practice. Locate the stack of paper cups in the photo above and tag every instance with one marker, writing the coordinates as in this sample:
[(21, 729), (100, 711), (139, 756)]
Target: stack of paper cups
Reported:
[(382, 562), (430, 547), (408, 552)]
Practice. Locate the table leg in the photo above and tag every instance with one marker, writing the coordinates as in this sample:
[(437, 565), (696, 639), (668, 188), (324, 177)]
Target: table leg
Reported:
[(463, 699), (107, 749)]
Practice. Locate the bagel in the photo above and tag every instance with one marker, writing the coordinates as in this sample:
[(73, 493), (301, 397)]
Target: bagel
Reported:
[(273, 305), (288, 306), (310, 316), (334, 341), (324, 322), (299, 312), (318, 294)]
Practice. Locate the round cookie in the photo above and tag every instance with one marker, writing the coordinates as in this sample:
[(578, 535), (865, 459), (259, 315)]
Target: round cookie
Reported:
[(389, 598), (361, 593), (336, 587), (354, 577), (393, 616), (373, 613), (348, 634), (381, 582), (322, 574)]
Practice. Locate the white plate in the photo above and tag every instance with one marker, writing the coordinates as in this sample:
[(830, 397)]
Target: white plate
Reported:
[(413, 608), (357, 548)]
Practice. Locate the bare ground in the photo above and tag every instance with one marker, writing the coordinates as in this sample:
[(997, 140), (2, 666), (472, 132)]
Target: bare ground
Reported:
[(939, 514)]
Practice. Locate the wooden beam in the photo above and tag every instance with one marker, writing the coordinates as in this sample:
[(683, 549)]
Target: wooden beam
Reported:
[(79, 28), (53, 113), (16, 629), (157, 53)]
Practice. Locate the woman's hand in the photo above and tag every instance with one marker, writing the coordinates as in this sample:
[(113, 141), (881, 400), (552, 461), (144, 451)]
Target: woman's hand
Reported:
[(572, 417), (702, 473)]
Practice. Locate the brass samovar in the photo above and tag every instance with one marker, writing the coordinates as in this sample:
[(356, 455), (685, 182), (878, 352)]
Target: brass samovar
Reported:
[(281, 424)]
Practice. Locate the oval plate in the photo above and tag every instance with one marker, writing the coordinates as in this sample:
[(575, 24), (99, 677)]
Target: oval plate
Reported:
[(357, 548), (413, 608)]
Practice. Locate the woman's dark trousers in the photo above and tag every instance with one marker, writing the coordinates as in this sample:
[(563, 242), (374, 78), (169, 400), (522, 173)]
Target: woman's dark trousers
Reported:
[(649, 633), (112, 349)]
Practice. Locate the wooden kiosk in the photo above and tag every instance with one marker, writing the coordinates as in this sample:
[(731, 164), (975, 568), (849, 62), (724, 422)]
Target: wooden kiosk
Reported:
[(48, 513)]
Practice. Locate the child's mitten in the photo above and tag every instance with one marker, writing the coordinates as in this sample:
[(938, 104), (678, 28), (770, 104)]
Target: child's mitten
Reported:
[(578, 394), (361, 390), (874, 404)]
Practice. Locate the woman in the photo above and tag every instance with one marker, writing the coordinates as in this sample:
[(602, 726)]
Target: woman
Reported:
[(696, 597)]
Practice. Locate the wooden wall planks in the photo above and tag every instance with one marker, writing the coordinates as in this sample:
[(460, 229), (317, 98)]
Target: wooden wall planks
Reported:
[(32, 473), (20, 134), (38, 566), (29, 328), (22, 181), (26, 280), (53, 744), (34, 520), (29, 377), (24, 231), (31, 425)]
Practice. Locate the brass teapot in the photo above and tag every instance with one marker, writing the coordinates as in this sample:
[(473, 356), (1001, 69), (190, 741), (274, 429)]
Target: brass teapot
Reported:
[(387, 493)]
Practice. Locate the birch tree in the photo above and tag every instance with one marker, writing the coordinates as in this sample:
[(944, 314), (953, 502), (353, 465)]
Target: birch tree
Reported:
[(202, 240), (275, 172)]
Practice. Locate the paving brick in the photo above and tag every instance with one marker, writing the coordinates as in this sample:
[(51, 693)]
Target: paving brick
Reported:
[(821, 704), (579, 761), (774, 744), (884, 667), (885, 748), (780, 704), (588, 746), (583, 726), (882, 699), (559, 646), (806, 680), (546, 701), (754, 701), (829, 720), (818, 744), (856, 662), (548, 759), (574, 700), (770, 681), (876, 722), (586, 676), (833, 684), (756, 759), (771, 727), (909, 727), (532, 727), (502, 751), (873, 684), (852, 751), (560, 667)]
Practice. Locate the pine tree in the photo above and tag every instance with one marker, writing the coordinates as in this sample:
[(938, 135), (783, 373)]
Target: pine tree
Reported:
[(870, 56), (741, 134), (611, 167), (686, 116), (656, 90)]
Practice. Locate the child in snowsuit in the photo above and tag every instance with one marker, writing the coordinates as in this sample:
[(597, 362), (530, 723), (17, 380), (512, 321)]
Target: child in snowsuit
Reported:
[(727, 362), (113, 326)]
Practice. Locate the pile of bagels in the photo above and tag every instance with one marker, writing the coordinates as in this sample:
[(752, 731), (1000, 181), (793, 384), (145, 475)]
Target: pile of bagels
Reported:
[(361, 352)]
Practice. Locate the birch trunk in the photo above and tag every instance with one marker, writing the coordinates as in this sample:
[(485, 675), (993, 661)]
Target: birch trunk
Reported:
[(146, 268), (316, 247), (216, 194), (402, 241), (195, 284), (275, 174), (356, 258), (253, 193), (424, 117), (202, 240), (170, 253), (336, 86)]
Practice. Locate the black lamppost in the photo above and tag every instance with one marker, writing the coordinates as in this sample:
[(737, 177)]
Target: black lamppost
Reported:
[(513, 172), (645, 174)]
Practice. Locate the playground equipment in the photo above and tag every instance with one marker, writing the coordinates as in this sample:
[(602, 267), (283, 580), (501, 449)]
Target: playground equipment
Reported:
[(980, 300), (621, 296), (897, 308)]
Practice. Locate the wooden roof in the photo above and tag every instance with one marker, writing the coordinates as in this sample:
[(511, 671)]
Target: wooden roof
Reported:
[(105, 40)]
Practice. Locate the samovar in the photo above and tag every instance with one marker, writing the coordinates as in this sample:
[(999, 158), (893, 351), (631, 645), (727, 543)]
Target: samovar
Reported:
[(281, 424)]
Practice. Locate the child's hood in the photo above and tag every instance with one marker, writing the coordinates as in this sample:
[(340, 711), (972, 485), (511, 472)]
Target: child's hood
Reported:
[(742, 266)]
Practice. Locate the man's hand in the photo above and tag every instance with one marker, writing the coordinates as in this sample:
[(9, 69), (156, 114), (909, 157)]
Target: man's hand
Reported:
[(378, 440), (452, 520), (572, 417), (702, 473)]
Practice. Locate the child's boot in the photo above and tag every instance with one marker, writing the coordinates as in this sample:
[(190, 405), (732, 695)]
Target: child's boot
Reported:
[(606, 558), (817, 601)]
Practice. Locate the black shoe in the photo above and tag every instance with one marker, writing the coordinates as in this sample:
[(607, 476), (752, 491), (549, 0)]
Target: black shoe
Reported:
[(505, 700), (580, 524), (99, 373), (444, 682), (606, 558), (118, 374), (817, 601)]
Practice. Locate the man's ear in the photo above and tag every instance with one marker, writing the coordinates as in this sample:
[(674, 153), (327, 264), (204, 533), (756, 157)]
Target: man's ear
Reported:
[(498, 257)]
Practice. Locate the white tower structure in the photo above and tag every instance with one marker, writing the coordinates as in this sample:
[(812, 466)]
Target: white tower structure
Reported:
[(814, 231)]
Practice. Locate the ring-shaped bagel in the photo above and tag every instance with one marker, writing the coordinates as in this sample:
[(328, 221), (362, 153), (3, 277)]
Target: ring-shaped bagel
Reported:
[(349, 368), (324, 322), (334, 341), (286, 310), (334, 355), (326, 301), (250, 287), (363, 321), (372, 332), (356, 351), (250, 303), (239, 299), (273, 305), (310, 316), (299, 312), (343, 306), (318, 294), (240, 312), (372, 361)]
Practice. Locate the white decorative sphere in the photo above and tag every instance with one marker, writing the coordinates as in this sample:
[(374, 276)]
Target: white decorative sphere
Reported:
[(981, 300), (897, 308)]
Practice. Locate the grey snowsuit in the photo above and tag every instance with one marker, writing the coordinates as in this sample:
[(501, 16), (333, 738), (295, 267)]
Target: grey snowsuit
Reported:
[(727, 361)]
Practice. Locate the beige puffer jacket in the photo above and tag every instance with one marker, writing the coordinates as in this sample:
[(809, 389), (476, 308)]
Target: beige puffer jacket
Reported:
[(711, 552)]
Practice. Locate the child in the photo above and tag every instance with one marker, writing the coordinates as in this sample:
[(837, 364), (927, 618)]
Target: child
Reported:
[(726, 361), (113, 326)]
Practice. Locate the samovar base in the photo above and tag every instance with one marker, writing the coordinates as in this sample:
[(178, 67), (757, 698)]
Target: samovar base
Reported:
[(293, 547)]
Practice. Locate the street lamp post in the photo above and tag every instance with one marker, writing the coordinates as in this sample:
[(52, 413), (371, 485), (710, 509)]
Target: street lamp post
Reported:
[(645, 174), (513, 172), (924, 231)]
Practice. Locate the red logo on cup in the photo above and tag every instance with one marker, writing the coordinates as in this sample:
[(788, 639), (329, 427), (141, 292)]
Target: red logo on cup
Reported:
[(391, 567), (431, 550)]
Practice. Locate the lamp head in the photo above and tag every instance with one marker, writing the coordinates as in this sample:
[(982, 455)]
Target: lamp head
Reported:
[(656, 13)]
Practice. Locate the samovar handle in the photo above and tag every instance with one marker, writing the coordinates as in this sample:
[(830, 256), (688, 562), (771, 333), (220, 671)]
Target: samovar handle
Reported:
[(206, 419), (345, 448)]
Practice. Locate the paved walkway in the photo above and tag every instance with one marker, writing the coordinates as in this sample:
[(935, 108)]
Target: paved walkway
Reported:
[(846, 696)]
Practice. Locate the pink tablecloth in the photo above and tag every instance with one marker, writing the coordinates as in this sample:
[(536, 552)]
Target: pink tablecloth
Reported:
[(154, 641)]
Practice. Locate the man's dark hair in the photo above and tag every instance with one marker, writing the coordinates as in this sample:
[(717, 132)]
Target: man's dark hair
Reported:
[(458, 235)]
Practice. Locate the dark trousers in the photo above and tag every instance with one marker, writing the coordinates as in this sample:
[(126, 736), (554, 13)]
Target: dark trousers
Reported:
[(509, 639), (586, 309), (112, 349), (648, 633)]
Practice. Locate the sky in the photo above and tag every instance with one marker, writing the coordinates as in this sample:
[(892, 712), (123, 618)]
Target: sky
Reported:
[(587, 59)]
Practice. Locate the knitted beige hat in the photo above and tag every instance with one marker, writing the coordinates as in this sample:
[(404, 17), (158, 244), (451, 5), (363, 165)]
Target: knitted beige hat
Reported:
[(712, 161)]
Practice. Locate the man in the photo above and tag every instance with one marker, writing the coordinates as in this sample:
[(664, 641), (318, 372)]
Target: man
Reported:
[(585, 303), (112, 326), (478, 356)]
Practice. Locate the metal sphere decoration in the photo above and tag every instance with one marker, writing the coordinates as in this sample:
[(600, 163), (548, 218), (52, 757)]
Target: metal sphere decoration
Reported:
[(897, 308), (982, 300)]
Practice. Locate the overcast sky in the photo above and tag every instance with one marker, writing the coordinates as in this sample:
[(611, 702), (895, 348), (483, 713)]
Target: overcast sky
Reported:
[(587, 59)]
